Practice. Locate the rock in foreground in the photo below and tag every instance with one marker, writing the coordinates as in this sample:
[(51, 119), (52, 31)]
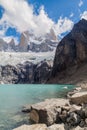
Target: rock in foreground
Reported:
[(62, 114), (56, 127), (41, 127), (47, 112), (32, 127), (79, 128), (79, 98)]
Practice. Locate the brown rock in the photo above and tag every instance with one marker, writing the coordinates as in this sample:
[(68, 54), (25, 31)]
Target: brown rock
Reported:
[(56, 127), (79, 98), (79, 128), (26, 109), (75, 108), (73, 119), (47, 112), (32, 127), (66, 108), (86, 121), (85, 110), (63, 116), (82, 123)]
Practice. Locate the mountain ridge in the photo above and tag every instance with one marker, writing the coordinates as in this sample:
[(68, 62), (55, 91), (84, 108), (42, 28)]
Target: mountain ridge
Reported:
[(31, 42)]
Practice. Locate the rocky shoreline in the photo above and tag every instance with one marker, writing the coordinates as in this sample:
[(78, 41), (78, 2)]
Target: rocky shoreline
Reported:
[(59, 114)]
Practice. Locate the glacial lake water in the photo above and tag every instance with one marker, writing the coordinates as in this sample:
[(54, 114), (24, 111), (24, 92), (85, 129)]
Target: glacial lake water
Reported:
[(14, 97)]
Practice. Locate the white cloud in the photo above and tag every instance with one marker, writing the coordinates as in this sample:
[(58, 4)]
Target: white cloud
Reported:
[(44, 23), (63, 25), (20, 14), (84, 15), (9, 38), (80, 3), (2, 32)]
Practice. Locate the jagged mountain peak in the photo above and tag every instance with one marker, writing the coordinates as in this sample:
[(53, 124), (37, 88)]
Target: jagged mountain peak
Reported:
[(82, 21), (51, 35), (12, 42), (31, 42), (81, 25)]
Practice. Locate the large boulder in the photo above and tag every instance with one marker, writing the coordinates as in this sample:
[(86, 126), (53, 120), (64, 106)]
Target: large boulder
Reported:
[(79, 98), (79, 128), (73, 119), (48, 111), (56, 127), (32, 127)]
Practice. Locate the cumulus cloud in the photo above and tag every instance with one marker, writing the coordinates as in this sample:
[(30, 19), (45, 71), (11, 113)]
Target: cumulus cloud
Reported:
[(63, 25), (9, 38), (84, 15), (20, 14), (44, 23), (80, 3)]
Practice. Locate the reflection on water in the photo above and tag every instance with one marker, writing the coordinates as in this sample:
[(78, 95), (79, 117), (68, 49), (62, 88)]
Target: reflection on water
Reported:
[(13, 97)]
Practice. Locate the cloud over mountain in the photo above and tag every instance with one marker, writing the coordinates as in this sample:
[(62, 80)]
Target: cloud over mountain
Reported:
[(84, 15), (20, 15)]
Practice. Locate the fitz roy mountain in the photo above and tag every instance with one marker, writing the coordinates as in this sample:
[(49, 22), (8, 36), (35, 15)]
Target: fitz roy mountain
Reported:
[(30, 42)]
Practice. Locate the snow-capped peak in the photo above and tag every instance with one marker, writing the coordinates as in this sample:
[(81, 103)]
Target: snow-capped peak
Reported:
[(31, 42), (31, 38)]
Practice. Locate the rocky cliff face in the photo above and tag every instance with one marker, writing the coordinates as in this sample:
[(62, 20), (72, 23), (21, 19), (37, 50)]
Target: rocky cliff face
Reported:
[(30, 42), (42, 71), (23, 45), (25, 73), (11, 46), (71, 54)]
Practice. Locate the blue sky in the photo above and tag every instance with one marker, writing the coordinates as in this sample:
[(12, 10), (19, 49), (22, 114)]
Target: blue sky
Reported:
[(57, 8), (39, 16)]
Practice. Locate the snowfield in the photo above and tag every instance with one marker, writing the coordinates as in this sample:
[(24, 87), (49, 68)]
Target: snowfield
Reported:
[(14, 58)]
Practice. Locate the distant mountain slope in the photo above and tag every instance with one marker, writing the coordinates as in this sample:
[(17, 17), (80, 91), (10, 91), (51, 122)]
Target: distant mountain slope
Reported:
[(71, 56), (25, 73), (3, 45)]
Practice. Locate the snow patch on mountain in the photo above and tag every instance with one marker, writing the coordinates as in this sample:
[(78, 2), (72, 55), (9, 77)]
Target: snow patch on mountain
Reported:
[(13, 58)]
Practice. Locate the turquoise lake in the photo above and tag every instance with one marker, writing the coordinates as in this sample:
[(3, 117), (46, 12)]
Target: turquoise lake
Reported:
[(14, 97)]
